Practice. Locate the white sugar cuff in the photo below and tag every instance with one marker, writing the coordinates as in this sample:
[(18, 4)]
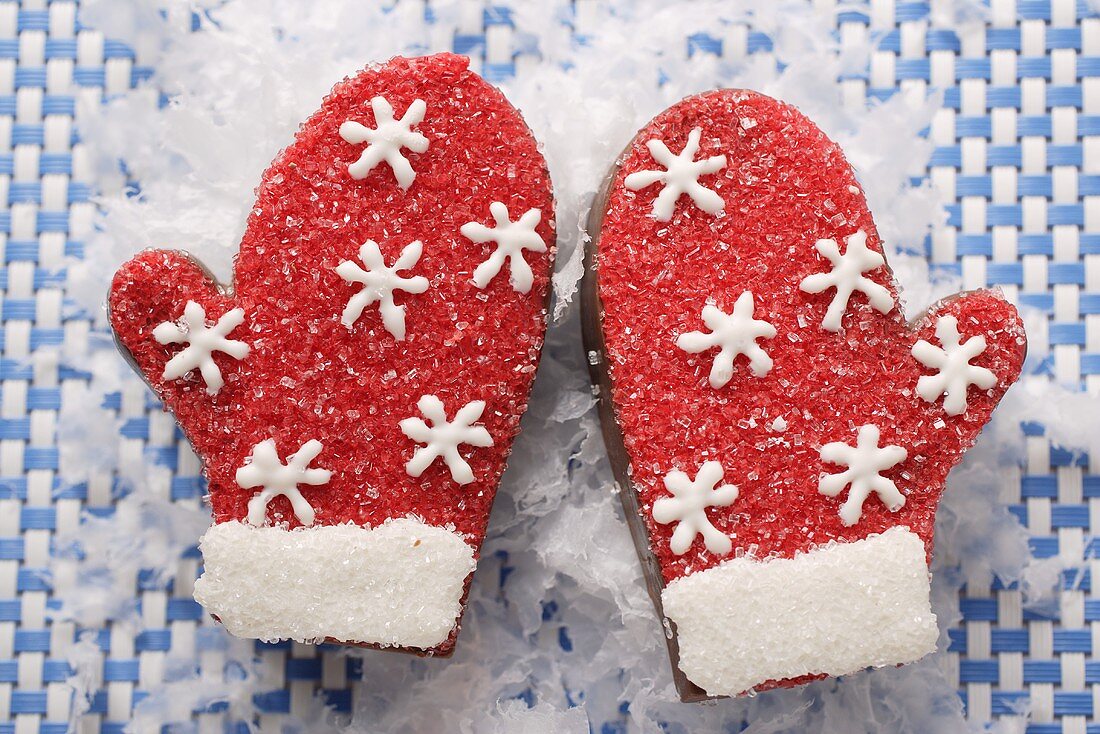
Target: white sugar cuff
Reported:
[(835, 610), (399, 584)]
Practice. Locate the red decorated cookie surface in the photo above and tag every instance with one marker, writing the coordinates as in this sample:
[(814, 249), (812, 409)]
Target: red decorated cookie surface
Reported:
[(764, 204), (344, 338)]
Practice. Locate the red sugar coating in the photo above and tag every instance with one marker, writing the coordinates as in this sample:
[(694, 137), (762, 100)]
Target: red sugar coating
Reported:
[(785, 186), (308, 376)]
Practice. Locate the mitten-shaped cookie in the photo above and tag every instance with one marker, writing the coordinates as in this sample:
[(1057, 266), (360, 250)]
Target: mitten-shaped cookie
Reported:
[(781, 435), (355, 392)]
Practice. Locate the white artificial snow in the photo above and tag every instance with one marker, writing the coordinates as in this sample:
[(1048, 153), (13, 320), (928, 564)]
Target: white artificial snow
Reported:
[(397, 584), (516, 717), (86, 663), (179, 692), (837, 609), (236, 91)]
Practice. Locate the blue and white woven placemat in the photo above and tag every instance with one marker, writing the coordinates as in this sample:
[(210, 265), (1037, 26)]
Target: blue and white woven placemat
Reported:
[(1017, 151)]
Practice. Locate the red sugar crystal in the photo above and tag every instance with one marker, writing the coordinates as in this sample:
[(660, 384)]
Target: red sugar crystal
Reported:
[(310, 377)]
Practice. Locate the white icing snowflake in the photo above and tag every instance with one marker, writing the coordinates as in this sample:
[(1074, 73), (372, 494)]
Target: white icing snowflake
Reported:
[(956, 374), (202, 341), (379, 283), (847, 277), (687, 508), (680, 177), (267, 471), (735, 334), (865, 461), (442, 437), (387, 140), (512, 239)]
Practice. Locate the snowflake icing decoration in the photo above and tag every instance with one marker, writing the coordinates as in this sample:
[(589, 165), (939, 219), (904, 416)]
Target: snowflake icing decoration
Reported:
[(276, 478), (956, 374), (512, 238), (387, 140), (442, 437), (681, 176), (202, 341), (687, 508), (379, 282), (865, 461), (735, 334), (847, 277)]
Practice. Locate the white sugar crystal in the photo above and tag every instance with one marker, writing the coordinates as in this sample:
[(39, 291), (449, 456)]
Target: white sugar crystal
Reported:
[(835, 610), (397, 584)]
